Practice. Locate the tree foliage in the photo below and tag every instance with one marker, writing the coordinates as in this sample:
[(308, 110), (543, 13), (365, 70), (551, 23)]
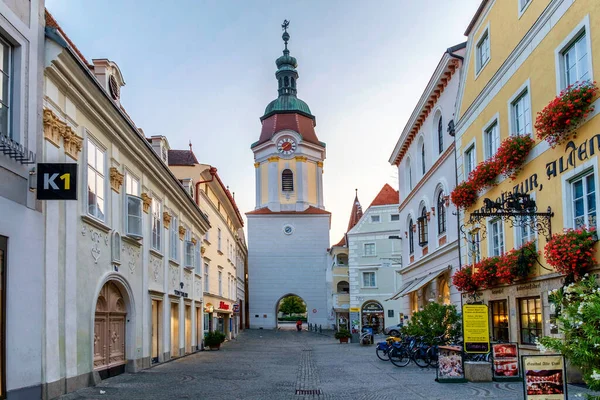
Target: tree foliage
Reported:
[(434, 320), (292, 305), (578, 319)]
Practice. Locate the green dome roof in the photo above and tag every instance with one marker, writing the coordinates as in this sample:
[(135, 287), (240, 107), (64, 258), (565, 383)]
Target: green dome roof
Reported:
[(287, 104)]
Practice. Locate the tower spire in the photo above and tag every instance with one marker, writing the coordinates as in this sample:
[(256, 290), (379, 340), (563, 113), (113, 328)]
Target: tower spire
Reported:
[(286, 67)]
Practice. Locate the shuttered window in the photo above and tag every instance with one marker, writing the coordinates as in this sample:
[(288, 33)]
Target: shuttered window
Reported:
[(287, 180)]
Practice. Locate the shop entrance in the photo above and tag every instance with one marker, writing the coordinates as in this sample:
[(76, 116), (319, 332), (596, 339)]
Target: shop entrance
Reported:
[(373, 316), (188, 328), (3, 247), (174, 330), (290, 309), (109, 332), (156, 313)]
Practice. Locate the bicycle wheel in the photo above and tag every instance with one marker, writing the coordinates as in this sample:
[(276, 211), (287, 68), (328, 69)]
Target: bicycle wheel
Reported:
[(432, 356), (383, 355), (419, 356), (399, 357)]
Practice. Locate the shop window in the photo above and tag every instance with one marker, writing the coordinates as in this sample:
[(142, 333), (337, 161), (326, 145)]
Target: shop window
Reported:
[(530, 319), (499, 310)]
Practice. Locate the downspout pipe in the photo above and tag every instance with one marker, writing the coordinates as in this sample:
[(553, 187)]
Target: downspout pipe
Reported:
[(213, 172)]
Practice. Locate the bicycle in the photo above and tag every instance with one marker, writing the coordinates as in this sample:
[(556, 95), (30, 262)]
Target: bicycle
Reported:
[(400, 353)]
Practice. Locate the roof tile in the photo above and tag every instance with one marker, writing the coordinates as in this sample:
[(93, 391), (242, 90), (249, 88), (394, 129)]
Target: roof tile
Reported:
[(387, 196)]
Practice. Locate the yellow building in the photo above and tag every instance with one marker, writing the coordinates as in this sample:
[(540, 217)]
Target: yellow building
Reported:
[(520, 55)]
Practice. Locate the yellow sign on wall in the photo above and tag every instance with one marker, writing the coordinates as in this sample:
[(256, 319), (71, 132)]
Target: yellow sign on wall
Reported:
[(354, 309), (476, 328)]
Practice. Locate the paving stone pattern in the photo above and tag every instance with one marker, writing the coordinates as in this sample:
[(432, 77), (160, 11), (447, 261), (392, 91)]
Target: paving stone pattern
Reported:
[(265, 365)]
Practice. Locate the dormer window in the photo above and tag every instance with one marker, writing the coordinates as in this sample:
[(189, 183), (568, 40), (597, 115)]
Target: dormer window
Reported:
[(164, 153)]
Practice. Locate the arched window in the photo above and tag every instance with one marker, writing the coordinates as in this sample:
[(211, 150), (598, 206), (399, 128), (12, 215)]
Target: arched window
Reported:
[(423, 158), (440, 132), (343, 287), (287, 180), (409, 174), (280, 82), (441, 213), (422, 224), (286, 81), (411, 237)]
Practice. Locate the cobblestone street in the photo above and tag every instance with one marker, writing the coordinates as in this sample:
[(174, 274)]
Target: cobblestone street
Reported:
[(275, 365)]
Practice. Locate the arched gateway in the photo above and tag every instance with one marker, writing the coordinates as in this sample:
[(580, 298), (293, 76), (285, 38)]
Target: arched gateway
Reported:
[(109, 331)]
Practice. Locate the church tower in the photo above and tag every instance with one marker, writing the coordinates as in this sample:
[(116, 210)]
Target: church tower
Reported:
[(288, 231)]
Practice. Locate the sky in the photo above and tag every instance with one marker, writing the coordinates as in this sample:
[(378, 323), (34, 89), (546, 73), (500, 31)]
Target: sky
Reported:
[(204, 71)]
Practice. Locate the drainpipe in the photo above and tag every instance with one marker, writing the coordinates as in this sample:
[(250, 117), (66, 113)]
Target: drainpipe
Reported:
[(213, 172)]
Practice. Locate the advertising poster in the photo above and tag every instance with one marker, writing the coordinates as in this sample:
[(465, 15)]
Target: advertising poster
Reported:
[(506, 361), (544, 377), (476, 331), (450, 364), (355, 321)]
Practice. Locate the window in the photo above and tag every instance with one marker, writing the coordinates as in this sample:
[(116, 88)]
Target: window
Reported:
[(521, 114), (95, 178), (395, 217), (206, 282), (422, 224), (469, 160), (156, 224), (174, 239), (583, 194), (369, 249), (207, 236), (287, 180), (375, 218), (228, 249), (5, 93), (523, 4), (441, 213), (440, 134), (530, 319), (369, 279), (473, 253), (575, 65), (219, 239), (525, 232), (499, 310), (189, 249), (496, 241), (409, 174), (133, 223), (198, 259), (491, 140), (411, 238), (220, 283), (423, 169), (343, 287), (482, 51)]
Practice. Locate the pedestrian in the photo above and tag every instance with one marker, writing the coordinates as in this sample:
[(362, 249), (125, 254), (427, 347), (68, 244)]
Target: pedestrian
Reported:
[(299, 325)]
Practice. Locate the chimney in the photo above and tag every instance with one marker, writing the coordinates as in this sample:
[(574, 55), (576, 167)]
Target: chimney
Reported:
[(109, 75)]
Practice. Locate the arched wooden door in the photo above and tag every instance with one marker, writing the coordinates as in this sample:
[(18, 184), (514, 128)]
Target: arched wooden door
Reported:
[(109, 330)]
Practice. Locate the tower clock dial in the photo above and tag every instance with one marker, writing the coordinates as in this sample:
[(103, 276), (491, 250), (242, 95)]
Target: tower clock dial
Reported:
[(286, 146)]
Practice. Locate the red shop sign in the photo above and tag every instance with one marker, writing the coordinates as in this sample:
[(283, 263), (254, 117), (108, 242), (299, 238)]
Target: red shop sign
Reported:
[(223, 306)]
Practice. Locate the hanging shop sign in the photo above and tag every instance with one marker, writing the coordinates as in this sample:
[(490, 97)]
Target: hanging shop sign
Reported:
[(450, 365), (354, 309), (372, 308), (476, 330), (57, 181), (505, 361), (223, 306), (544, 377), (209, 308), (236, 308), (180, 293)]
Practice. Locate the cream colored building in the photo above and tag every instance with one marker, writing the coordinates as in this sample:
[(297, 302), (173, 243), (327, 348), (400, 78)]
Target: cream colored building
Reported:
[(223, 246), (122, 262)]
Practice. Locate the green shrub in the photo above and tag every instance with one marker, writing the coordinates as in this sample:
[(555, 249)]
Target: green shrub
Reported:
[(434, 320), (343, 333), (214, 338)]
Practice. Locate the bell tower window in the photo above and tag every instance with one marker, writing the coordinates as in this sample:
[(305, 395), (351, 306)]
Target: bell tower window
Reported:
[(287, 180), (286, 81)]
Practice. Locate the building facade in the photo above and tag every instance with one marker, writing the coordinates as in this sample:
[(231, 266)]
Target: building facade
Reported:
[(424, 155), (123, 288), (288, 232), (223, 245), (21, 218), (374, 261), (520, 55)]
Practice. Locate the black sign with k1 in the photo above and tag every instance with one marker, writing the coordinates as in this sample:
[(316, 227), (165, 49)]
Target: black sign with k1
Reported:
[(57, 181)]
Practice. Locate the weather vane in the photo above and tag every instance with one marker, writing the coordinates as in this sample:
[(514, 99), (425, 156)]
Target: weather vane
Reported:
[(286, 35), (285, 24)]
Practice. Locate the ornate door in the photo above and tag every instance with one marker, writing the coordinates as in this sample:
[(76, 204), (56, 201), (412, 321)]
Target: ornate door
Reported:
[(109, 328)]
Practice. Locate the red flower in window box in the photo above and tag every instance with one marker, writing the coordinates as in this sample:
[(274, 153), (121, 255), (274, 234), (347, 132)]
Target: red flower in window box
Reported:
[(485, 174), (463, 280), (512, 153), (464, 195), (572, 252), (557, 122), (484, 272), (517, 263)]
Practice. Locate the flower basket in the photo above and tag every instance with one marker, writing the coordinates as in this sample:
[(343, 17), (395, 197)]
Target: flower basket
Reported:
[(557, 122), (572, 252), (517, 263), (512, 153), (485, 174), (484, 272), (463, 280), (464, 195)]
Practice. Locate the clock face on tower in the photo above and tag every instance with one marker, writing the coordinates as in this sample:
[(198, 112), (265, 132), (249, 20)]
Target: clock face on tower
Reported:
[(286, 146)]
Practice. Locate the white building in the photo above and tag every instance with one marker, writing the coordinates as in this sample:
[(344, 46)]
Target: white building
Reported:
[(123, 288), (374, 260), (288, 232), (21, 219), (426, 165)]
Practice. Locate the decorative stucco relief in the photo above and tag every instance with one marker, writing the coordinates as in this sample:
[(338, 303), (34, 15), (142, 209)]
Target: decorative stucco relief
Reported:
[(96, 238), (173, 278), (116, 179), (133, 256)]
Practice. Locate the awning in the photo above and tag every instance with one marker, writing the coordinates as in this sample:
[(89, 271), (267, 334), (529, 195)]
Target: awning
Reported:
[(417, 283)]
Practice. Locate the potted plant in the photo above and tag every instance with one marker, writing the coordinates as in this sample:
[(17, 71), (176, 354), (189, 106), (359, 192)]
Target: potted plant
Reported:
[(343, 335), (213, 339)]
